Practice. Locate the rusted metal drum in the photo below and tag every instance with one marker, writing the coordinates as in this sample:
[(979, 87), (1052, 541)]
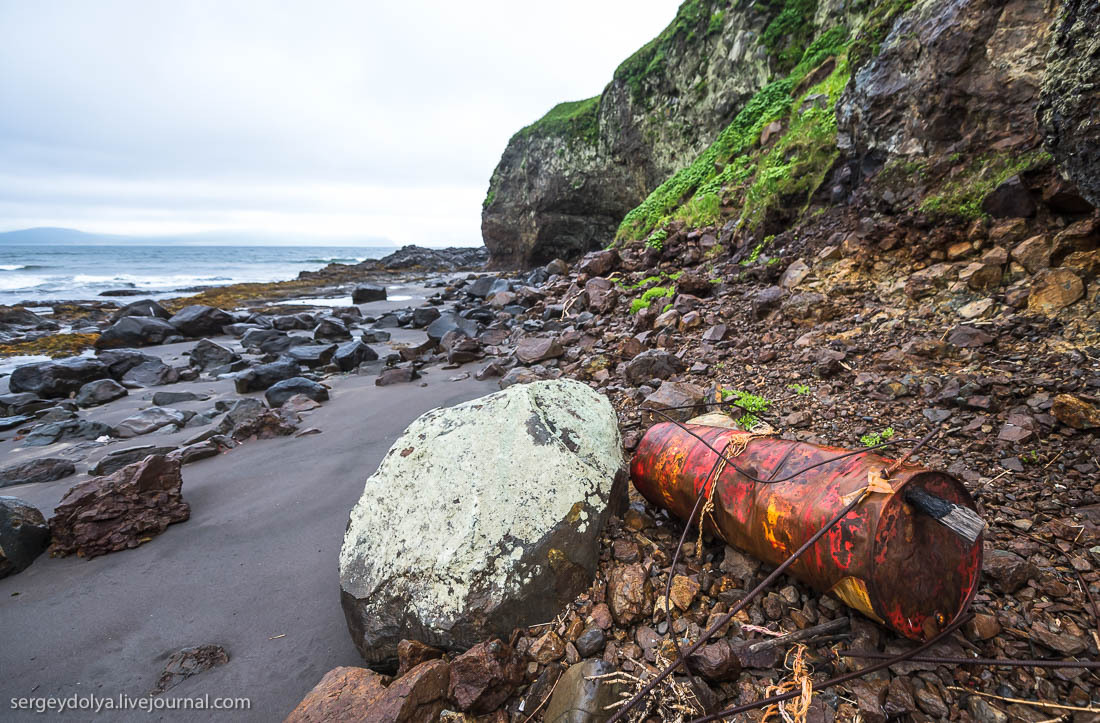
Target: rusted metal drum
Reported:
[(885, 559)]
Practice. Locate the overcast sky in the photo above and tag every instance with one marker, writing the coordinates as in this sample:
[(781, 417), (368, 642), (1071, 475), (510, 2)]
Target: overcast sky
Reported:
[(319, 119)]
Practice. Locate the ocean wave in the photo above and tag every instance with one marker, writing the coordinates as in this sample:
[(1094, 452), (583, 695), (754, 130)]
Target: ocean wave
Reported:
[(13, 267), (21, 283), (337, 260)]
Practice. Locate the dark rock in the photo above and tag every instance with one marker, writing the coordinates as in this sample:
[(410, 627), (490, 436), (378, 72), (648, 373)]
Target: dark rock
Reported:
[(375, 336), (152, 373), (350, 355), (58, 378), (207, 354), (598, 263), (200, 320), (52, 432), (195, 452), (7, 423), (120, 361), (451, 321), (279, 392), (43, 469), (259, 378), (398, 375), (150, 420), (652, 364), (23, 535), (533, 349), (131, 331), (481, 286), (629, 593), (484, 677), (18, 318), (20, 403), (144, 307), (463, 350), (716, 662), (1011, 199), (364, 293), (331, 328), (119, 511), (968, 337), (583, 694), (251, 419), (254, 338), (312, 355), (1008, 571), (590, 642), (682, 400), (99, 392), (119, 458), (188, 662), (165, 399), (765, 300), (289, 322)]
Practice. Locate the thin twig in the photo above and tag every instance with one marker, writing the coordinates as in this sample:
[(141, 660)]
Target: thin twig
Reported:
[(1024, 701)]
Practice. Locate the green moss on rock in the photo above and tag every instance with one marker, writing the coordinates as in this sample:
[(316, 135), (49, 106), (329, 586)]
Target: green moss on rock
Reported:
[(572, 120)]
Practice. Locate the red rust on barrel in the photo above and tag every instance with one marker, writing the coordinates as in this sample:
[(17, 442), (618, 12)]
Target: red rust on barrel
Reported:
[(894, 564)]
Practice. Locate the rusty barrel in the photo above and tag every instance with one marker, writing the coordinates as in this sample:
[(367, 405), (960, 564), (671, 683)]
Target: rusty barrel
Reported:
[(885, 559)]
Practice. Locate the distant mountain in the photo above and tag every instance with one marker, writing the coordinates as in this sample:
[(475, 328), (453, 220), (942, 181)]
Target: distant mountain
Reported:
[(49, 236)]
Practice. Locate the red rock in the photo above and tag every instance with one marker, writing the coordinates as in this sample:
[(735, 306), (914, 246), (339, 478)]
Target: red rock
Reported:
[(716, 662), (360, 694), (119, 511), (548, 648), (484, 677), (630, 593), (1075, 412), (598, 263), (411, 653), (683, 591), (534, 349)]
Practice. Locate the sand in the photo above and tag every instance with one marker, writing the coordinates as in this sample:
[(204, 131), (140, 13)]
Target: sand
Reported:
[(254, 569)]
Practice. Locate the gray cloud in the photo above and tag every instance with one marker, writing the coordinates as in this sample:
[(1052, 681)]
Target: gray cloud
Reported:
[(327, 118)]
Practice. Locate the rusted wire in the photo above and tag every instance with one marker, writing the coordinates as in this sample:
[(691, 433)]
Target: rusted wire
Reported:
[(901, 658), (995, 662)]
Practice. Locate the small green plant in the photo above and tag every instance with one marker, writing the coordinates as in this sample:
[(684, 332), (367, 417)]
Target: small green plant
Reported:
[(489, 199), (651, 295), (750, 404), (755, 255), (799, 389), (874, 439), (656, 239), (1031, 457), (666, 308)]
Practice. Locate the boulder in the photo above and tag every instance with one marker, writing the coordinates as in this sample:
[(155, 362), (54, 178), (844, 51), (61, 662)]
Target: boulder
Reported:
[(359, 694), (19, 318), (396, 375), (99, 392), (120, 361), (52, 432), (208, 354), (261, 377), (288, 322), (279, 392), (23, 535), (652, 364), (43, 469), (1011, 199), (187, 662), (424, 315), (535, 469), (602, 295), (365, 293), (200, 320), (1033, 254), (119, 511), (583, 694), (598, 263), (130, 331), (1053, 290), (533, 349), (1068, 409), (250, 419), (21, 403), (151, 373), (674, 397), (165, 399), (483, 677), (119, 458), (254, 338), (765, 300), (150, 420), (350, 355), (312, 355), (331, 328), (142, 307), (451, 321), (58, 378)]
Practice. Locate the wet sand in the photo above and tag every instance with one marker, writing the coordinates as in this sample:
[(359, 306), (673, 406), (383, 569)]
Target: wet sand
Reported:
[(257, 559)]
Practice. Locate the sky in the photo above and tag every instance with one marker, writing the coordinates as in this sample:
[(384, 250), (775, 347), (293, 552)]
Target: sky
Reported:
[(321, 120)]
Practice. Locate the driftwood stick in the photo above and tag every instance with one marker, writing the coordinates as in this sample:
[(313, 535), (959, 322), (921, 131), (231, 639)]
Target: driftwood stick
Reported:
[(832, 626)]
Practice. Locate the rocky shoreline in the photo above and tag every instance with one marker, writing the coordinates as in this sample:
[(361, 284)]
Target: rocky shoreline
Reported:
[(836, 349)]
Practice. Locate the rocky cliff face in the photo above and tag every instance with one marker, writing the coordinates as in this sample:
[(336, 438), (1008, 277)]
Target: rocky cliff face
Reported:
[(565, 182), (755, 119)]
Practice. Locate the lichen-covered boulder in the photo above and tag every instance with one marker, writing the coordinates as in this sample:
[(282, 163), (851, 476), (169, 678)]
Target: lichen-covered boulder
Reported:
[(23, 535), (481, 518)]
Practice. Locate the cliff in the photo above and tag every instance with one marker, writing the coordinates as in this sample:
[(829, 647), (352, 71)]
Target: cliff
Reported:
[(758, 119)]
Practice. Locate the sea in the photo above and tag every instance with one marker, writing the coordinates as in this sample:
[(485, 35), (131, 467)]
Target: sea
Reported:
[(65, 272)]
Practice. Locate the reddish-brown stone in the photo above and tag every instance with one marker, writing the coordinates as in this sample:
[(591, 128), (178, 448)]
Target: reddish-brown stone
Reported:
[(361, 694), (411, 653), (119, 511), (484, 677)]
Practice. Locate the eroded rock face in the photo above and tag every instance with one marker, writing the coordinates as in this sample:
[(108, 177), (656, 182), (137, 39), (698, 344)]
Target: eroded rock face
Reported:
[(561, 188), (1070, 96), (528, 476), (122, 510)]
